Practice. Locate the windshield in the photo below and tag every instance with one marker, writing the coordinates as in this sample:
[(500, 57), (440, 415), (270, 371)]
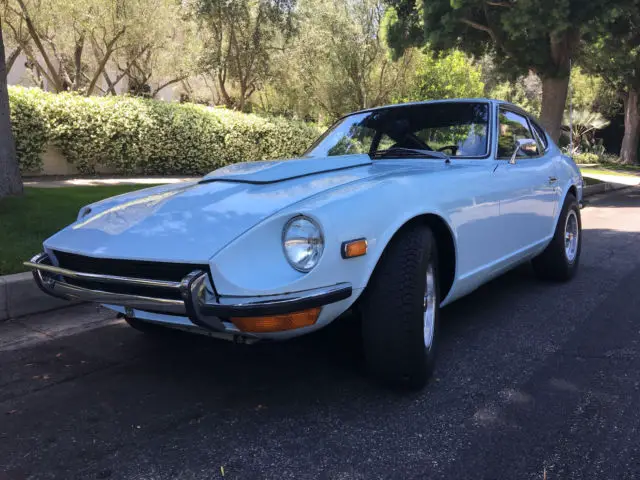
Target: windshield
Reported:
[(457, 129)]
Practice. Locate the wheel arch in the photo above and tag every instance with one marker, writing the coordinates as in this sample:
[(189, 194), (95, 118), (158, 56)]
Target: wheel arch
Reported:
[(446, 244)]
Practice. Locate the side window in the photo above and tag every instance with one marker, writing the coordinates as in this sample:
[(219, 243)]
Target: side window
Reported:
[(541, 134), (514, 127), (462, 140), (385, 142)]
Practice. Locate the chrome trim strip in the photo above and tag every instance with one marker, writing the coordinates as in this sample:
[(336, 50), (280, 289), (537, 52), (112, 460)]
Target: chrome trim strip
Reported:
[(71, 292), (141, 282), (198, 303), (278, 304)]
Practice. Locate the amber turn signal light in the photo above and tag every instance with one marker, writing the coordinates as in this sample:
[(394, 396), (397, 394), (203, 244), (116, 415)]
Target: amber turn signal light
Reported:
[(277, 323), (354, 248)]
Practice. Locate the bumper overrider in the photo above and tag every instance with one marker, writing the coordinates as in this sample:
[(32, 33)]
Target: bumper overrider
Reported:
[(197, 299)]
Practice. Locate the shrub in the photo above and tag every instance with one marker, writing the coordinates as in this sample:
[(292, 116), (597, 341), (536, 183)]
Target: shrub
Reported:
[(139, 135), (582, 158), (30, 126), (609, 158)]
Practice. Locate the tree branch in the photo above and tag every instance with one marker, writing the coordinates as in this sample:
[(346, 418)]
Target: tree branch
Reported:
[(36, 39), (107, 54), (499, 4), (479, 26), (166, 84), (32, 58), (12, 57), (77, 59)]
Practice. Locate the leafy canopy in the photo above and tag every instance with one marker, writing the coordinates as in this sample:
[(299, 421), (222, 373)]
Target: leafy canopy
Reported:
[(537, 35)]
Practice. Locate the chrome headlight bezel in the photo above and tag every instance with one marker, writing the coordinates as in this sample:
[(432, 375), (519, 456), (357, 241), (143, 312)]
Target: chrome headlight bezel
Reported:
[(317, 245)]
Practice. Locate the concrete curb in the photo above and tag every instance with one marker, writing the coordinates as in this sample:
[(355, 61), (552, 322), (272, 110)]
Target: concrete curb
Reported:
[(590, 190), (20, 296)]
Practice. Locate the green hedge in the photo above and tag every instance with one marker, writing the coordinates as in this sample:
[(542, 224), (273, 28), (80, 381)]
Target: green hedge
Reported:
[(146, 136)]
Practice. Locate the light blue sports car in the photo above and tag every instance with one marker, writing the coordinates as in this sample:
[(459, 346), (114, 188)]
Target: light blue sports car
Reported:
[(392, 213)]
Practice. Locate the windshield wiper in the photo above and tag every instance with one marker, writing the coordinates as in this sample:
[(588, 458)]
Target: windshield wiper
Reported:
[(404, 152)]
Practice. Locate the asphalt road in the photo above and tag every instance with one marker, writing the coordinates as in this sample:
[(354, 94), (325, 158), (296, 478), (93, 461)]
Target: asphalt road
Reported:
[(532, 378)]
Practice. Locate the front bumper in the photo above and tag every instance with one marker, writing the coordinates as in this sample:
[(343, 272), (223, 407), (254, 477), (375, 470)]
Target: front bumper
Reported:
[(199, 302)]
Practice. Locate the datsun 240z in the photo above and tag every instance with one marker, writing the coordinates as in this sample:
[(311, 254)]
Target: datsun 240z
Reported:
[(392, 213)]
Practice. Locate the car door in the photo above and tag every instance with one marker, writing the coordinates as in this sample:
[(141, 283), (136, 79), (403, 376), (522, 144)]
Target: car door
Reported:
[(528, 184)]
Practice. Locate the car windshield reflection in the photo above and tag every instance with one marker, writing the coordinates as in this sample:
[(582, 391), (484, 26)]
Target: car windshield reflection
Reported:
[(448, 129)]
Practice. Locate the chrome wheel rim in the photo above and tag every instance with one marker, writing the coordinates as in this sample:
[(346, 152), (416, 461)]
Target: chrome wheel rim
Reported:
[(571, 236), (429, 318)]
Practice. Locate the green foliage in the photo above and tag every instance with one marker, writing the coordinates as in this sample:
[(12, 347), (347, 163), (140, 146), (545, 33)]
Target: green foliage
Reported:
[(584, 124), (592, 93), (30, 126), (337, 62), (525, 91), (586, 157), (613, 50), (445, 75), (241, 38), (147, 136), (519, 35)]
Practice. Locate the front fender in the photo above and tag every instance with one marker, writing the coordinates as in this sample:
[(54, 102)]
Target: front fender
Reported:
[(254, 264)]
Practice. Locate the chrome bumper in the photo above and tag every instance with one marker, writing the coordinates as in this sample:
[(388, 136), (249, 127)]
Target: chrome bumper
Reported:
[(198, 300)]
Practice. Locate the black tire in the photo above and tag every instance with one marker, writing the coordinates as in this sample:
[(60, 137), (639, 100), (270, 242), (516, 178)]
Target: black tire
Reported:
[(553, 263), (393, 311)]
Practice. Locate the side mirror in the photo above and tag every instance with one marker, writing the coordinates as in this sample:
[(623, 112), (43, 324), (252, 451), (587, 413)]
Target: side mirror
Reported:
[(520, 145)]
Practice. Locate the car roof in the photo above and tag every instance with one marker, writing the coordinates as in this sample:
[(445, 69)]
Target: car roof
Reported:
[(492, 101), (429, 102)]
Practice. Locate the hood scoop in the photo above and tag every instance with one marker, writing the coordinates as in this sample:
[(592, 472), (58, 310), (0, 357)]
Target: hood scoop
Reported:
[(273, 171)]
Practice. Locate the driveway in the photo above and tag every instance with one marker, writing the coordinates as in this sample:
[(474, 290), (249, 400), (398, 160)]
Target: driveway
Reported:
[(533, 378)]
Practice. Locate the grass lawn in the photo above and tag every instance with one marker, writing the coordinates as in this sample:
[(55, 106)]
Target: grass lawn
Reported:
[(612, 169), (26, 221)]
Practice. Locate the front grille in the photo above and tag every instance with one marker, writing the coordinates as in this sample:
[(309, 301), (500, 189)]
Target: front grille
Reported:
[(127, 268)]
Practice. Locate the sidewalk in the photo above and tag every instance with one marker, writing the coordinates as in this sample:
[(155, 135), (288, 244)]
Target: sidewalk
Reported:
[(56, 182), (627, 180)]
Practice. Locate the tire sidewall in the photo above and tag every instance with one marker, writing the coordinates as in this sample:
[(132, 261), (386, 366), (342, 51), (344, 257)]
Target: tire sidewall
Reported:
[(393, 318), (570, 204)]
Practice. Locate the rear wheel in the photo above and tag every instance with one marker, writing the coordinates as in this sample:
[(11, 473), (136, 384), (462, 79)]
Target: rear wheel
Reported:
[(400, 310), (559, 261)]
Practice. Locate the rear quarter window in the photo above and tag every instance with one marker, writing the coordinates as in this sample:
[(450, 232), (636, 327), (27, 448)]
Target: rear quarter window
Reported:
[(541, 134)]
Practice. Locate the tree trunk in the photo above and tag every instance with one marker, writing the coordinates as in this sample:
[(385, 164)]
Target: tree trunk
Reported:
[(10, 180), (554, 97), (629, 149)]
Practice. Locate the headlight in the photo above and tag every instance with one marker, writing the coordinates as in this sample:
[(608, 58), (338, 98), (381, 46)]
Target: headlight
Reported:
[(303, 243), (84, 211)]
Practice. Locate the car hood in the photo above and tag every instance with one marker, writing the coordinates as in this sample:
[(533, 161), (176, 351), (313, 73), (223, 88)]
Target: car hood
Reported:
[(190, 222)]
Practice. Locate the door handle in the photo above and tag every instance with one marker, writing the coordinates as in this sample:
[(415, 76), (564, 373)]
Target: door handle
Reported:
[(552, 180)]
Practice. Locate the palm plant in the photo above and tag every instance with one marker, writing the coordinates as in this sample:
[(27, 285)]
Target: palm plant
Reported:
[(583, 126)]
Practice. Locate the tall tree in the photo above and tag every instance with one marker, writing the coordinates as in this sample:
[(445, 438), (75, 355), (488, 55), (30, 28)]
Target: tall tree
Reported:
[(536, 35), (614, 54), (77, 45), (338, 62), (10, 180), (242, 36)]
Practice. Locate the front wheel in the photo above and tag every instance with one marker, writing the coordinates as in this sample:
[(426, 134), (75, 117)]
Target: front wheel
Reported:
[(401, 309), (559, 261)]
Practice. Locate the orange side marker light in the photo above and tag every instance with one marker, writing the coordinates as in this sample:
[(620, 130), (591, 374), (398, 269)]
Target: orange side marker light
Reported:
[(354, 248)]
